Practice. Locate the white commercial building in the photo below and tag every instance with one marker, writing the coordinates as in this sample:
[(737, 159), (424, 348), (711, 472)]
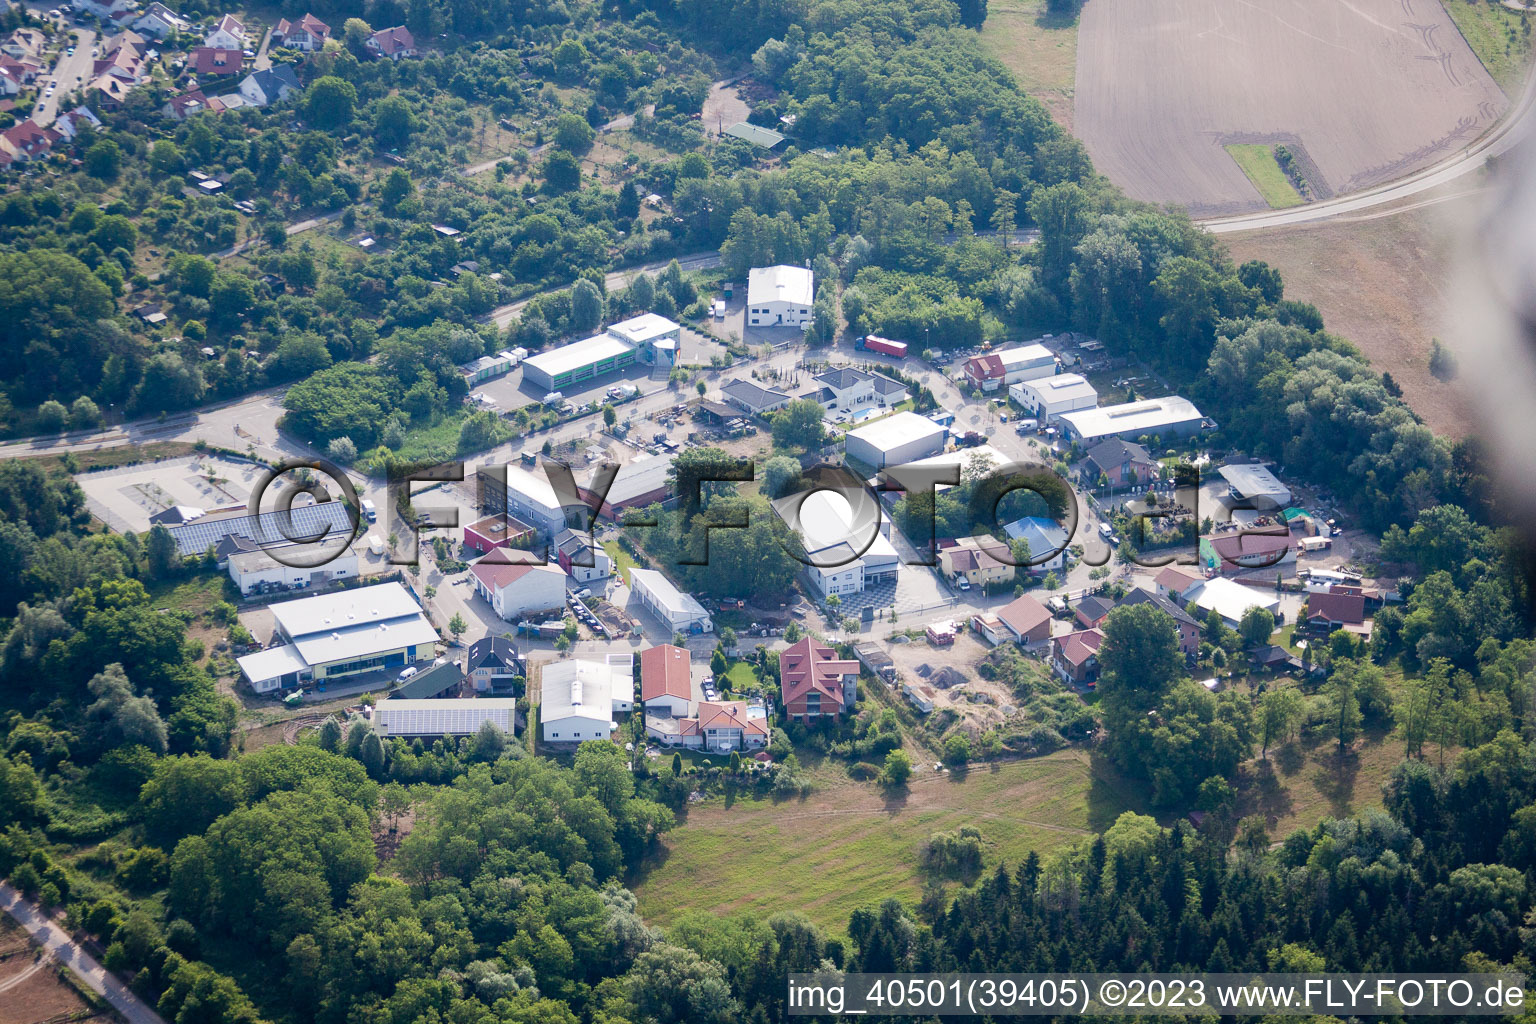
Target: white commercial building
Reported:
[(1253, 486), (531, 498), (679, 611), (653, 336), (342, 634), (583, 699), (514, 590), (780, 296), (1047, 398), (1027, 362), (312, 566), (577, 362), (401, 717), (1230, 599), (895, 440), (848, 557), (1166, 417)]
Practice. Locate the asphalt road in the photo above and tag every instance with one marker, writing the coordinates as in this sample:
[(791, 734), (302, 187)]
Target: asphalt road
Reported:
[(68, 952), (65, 72)]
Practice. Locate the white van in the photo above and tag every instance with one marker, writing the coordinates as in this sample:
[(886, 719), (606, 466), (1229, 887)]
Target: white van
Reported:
[(370, 511)]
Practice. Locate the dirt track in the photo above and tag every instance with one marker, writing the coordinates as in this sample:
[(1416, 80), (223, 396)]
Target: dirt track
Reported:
[(1368, 89)]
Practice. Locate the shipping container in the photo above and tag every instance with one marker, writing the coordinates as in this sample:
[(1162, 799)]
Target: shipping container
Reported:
[(875, 343)]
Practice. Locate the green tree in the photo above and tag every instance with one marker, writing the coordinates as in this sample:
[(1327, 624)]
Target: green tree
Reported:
[(587, 305), (562, 172), (800, 425), (329, 102), (393, 122), (1256, 626), (897, 769), (573, 134), (104, 160), (457, 626), (1279, 713)]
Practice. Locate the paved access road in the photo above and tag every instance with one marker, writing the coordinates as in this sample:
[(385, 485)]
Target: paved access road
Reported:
[(70, 74), (68, 952)]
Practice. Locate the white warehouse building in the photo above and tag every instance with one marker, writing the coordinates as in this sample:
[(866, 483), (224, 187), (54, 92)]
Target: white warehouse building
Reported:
[(529, 496), (399, 716), (315, 565), (843, 564), (679, 611), (582, 699), (895, 440), (1027, 362), (1167, 417), (1047, 398), (781, 296)]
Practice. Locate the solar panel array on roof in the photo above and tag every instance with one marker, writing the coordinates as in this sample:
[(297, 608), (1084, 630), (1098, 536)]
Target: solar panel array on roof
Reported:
[(327, 521)]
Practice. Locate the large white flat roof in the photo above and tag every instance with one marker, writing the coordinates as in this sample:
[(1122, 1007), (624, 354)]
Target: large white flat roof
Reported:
[(1149, 414), (1026, 355), (895, 431), (1229, 598), (361, 606), (781, 284), (400, 716), (1063, 387), (578, 354), (825, 519), (582, 688), (638, 330)]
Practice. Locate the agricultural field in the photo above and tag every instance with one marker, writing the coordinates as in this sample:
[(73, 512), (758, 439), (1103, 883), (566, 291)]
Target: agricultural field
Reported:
[(1500, 37), (1361, 93), (30, 988), (1258, 163), (1382, 281), (1039, 48), (849, 846)]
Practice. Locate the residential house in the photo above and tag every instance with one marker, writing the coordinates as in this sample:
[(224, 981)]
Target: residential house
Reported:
[(395, 43), (103, 9), (212, 62), (977, 561), (848, 389), (719, 727), (814, 681), (160, 21), (1092, 610), (1276, 659), (27, 140), (1339, 608), (754, 399), (1027, 620), (309, 34), (228, 34), (1189, 629), (24, 42), (583, 699), (493, 665), (109, 92), (10, 82), (24, 71), (188, 103), (1173, 580), (275, 84), (581, 559), (666, 681), (985, 371), (75, 121), (1046, 539), (516, 590), (1122, 463), (1075, 656)]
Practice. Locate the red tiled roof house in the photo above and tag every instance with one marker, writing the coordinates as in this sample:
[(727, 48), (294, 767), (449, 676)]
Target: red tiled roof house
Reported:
[(814, 681)]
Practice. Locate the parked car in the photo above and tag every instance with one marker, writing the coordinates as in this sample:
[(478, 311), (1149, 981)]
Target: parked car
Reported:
[(407, 673)]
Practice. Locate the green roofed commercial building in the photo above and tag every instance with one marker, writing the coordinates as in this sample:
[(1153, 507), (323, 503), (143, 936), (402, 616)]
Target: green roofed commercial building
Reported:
[(577, 362)]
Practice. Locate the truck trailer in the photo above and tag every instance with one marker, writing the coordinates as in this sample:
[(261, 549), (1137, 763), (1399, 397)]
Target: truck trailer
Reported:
[(874, 343)]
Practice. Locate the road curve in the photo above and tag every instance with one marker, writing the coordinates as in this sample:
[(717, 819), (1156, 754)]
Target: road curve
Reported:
[(1503, 137), (68, 952)]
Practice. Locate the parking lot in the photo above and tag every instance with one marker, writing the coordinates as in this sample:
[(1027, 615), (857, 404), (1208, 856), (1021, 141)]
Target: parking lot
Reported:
[(125, 498)]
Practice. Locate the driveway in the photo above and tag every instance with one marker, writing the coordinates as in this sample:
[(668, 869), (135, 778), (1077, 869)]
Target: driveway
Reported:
[(68, 952)]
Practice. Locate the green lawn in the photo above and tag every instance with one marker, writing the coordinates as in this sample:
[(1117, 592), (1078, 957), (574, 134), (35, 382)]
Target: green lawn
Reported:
[(848, 846), (740, 677), (1497, 36), (622, 561), (1040, 50), (1258, 163)]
